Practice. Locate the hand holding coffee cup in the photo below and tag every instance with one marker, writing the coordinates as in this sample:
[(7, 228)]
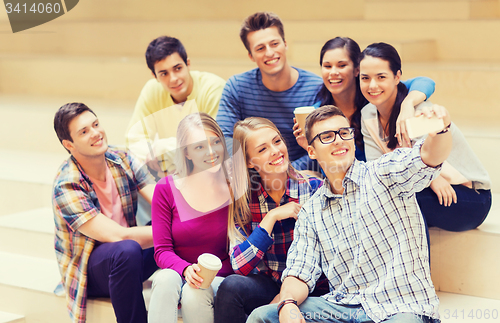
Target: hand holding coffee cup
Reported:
[(299, 127), (191, 276), (209, 266)]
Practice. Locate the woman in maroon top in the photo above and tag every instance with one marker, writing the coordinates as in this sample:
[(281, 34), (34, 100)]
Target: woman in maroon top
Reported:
[(189, 217)]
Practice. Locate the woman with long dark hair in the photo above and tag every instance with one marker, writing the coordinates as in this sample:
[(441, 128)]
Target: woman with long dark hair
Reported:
[(459, 198), (339, 60)]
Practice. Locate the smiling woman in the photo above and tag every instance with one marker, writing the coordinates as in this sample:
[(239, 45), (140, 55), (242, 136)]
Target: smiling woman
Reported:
[(261, 230), (190, 210), (459, 199)]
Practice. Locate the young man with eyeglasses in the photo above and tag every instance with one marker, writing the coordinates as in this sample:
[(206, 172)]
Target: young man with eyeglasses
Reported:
[(364, 230)]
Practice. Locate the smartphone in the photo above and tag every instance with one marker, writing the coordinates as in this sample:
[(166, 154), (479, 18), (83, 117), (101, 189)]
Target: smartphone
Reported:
[(421, 125)]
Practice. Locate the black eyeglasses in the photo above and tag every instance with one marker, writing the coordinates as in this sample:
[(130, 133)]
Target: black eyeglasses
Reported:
[(329, 136)]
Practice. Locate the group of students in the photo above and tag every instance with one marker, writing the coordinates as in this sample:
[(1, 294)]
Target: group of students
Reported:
[(292, 213)]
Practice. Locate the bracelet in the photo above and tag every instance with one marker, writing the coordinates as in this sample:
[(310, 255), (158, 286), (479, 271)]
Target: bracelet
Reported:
[(284, 302), (445, 130)]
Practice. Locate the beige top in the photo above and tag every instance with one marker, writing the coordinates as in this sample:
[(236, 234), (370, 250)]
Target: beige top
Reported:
[(461, 167)]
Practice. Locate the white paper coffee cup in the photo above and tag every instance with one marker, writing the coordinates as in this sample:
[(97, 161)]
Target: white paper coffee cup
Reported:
[(210, 266), (301, 114)]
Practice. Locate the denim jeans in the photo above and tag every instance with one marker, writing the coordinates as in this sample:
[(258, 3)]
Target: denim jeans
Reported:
[(468, 213), (117, 270), (239, 295), (317, 309)]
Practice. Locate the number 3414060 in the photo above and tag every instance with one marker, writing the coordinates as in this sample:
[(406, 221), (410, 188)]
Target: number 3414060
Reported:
[(35, 8), (478, 314)]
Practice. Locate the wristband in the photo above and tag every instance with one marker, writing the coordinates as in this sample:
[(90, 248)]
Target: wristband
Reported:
[(284, 302), (445, 130)]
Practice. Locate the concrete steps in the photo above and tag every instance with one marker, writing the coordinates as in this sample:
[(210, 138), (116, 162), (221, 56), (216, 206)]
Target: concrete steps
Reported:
[(455, 308), (431, 10), (32, 119), (467, 263), (455, 40), (29, 233), (11, 318), (459, 86), (27, 284)]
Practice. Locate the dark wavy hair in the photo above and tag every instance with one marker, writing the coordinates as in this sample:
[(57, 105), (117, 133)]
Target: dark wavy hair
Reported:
[(360, 101), (389, 54)]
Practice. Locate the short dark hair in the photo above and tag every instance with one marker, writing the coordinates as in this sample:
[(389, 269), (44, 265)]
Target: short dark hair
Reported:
[(162, 47), (63, 117), (320, 114), (258, 21)]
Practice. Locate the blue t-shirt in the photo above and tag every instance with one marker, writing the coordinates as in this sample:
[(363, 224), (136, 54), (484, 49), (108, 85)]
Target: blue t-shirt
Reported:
[(246, 96)]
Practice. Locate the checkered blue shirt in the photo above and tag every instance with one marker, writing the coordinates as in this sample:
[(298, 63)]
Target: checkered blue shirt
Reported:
[(370, 241)]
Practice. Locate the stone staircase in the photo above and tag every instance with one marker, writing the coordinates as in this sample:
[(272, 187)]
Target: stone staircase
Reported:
[(95, 54)]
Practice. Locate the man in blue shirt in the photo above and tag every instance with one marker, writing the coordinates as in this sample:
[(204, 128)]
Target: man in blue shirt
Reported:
[(362, 229), (273, 89)]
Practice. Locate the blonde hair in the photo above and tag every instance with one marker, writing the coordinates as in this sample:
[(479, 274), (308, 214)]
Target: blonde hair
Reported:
[(246, 179), (184, 166), (201, 120)]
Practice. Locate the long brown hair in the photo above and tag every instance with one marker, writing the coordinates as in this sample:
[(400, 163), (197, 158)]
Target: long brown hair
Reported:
[(389, 54)]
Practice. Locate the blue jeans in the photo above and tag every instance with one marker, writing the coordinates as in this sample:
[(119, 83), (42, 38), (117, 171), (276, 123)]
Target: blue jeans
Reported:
[(239, 295), (117, 270), (317, 309), (468, 213)]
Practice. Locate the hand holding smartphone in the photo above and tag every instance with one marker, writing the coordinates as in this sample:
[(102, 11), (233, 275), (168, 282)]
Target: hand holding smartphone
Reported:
[(421, 125)]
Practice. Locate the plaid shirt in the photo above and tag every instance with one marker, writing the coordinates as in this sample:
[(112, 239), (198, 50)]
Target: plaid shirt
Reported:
[(74, 203), (260, 246), (370, 242)]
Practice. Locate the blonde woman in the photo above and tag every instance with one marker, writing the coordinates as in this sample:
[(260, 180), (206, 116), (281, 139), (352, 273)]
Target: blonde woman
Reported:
[(262, 229), (189, 217)]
